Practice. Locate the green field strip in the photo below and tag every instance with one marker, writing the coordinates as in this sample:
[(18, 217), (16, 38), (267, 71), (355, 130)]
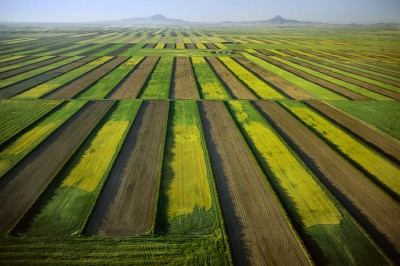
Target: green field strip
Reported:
[(133, 50), (313, 208), (22, 82), (384, 116), (349, 66), (209, 85), (160, 250), (159, 82), (344, 84), (256, 85), (68, 208), (187, 204), (306, 85), (17, 115), (392, 74), (358, 77), (25, 63), (10, 58), (385, 172), (61, 50), (106, 84), (12, 153), (42, 89), (109, 49), (78, 52)]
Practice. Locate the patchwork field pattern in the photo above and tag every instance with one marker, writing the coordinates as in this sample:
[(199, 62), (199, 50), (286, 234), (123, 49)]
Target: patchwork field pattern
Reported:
[(194, 146)]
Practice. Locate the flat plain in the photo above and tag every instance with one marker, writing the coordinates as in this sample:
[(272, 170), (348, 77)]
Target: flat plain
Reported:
[(200, 145)]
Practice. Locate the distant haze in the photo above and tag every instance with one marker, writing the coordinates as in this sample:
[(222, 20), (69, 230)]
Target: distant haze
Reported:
[(326, 11)]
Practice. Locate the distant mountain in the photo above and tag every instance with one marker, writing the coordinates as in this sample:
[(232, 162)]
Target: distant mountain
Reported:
[(280, 20), (152, 20)]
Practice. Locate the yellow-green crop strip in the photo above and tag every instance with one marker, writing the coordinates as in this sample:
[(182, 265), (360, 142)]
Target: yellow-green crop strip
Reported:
[(25, 63), (312, 205), (210, 86), (323, 220), (261, 89), (67, 210), (14, 79), (344, 73), (347, 85), (306, 85), (16, 115), (42, 89), (186, 182), (15, 151), (384, 171), (102, 87), (159, 82)]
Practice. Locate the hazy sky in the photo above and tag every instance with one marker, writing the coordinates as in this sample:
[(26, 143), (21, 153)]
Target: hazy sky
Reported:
[(335, 11)]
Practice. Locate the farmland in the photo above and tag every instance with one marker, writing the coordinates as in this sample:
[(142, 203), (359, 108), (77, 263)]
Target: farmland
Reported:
[(200, 145)]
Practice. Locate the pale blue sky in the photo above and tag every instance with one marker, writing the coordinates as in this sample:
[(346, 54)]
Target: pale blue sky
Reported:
[(332, 11)]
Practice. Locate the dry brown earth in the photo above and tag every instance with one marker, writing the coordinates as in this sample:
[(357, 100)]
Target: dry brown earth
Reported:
[(258, 231), (127, 203), (231, 82), (130, 87), (184, 83)]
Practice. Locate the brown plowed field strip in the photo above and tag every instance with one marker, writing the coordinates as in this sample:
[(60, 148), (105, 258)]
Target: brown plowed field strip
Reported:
[(15, 61), (20, 187), (73, 49), (76, 86), (357, 82), (190, 46), (211, 46), (170, 45), (258, 231), (149, 45), (24, 85), (97, 49), (371, 206), (130, 87), (377, 140), (20, 70), (282, 85), (231, 82), (350, 70), (184, 83), (127, 203), (121, 50), (326, 84)]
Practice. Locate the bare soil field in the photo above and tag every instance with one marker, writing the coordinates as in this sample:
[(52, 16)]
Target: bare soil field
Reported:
[(76, 86), (170, 45), (121, 50), (287, 88), (371, 206), (126, 206), (21, 186), (258, 232), (132, 84), (97, 49), (190, 46), (184, 83), (20, 70), (211, 46), (380, 142), (326, 84), (234, 86), (24, 85)]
